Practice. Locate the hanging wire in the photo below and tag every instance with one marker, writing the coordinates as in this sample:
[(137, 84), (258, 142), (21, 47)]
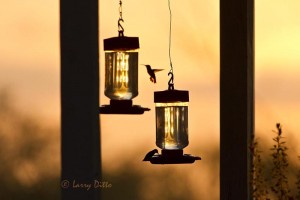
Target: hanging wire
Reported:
[(171, 81), (120, 9), (120, 27)]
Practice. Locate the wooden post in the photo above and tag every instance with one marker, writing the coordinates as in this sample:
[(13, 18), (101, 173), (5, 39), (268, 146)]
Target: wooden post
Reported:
[(80, 131), (236, 97)]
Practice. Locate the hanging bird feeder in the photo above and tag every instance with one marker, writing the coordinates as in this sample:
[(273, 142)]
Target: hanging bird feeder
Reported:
[(121, 73), (171, 110)]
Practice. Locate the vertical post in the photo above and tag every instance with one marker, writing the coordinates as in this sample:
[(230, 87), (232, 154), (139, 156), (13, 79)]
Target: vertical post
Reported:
[(80, 131), (236, 97)]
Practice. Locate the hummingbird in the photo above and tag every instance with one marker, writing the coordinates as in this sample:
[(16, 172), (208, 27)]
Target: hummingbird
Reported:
[(152, 72), (150, 154)]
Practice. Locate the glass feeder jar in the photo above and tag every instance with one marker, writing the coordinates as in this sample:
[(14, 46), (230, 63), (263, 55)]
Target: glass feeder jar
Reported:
[(121, 67), (171, 108)]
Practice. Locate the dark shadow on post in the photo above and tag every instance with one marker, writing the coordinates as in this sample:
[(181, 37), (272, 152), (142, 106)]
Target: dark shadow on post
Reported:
[(80, 131), (236, 97)]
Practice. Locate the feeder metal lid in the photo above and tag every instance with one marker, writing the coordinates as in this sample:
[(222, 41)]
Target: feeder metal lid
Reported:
[(121, 43), (168, 96)]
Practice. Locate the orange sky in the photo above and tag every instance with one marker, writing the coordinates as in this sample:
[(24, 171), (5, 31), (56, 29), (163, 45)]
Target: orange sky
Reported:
[(29, 65)]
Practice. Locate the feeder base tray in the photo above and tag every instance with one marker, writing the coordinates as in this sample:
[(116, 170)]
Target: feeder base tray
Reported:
[(122, 107), (173, 157)]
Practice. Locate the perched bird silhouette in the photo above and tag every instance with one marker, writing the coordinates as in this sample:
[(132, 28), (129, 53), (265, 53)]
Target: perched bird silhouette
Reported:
[(152, 72), (150, 154)]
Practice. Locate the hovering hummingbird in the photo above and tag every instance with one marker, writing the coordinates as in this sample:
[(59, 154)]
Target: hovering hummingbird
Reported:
[(150, 154), (152, 72)]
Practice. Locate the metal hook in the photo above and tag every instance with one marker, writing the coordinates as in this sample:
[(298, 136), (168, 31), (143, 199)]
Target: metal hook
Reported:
[(120, 27), (171, 84)]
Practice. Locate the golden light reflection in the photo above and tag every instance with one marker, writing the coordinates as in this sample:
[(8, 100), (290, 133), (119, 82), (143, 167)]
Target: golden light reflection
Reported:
[(121, 77), (174, 133), (122, 70), (169, 127)]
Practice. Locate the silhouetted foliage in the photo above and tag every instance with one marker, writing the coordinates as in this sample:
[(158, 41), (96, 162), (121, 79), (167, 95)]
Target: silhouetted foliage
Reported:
[(260, 190), (277, 182), (280, 163), (298, 182)]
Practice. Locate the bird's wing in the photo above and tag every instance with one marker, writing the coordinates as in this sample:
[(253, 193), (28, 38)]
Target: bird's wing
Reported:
[(157, 70)]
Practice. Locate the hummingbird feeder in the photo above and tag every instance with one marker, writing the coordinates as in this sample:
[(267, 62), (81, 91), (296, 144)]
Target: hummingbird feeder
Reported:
[(171, 110), (121, 73)]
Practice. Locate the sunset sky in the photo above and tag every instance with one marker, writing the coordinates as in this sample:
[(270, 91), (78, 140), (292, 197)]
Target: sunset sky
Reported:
[(30, 63)]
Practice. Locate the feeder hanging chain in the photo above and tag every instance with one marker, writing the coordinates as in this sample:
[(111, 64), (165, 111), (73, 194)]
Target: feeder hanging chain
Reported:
[(120, 27), (171, 81)]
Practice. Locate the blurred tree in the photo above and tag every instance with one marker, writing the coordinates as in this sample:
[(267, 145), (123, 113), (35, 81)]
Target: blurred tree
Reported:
[(24, 154), (131, 183), (28, 170)]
